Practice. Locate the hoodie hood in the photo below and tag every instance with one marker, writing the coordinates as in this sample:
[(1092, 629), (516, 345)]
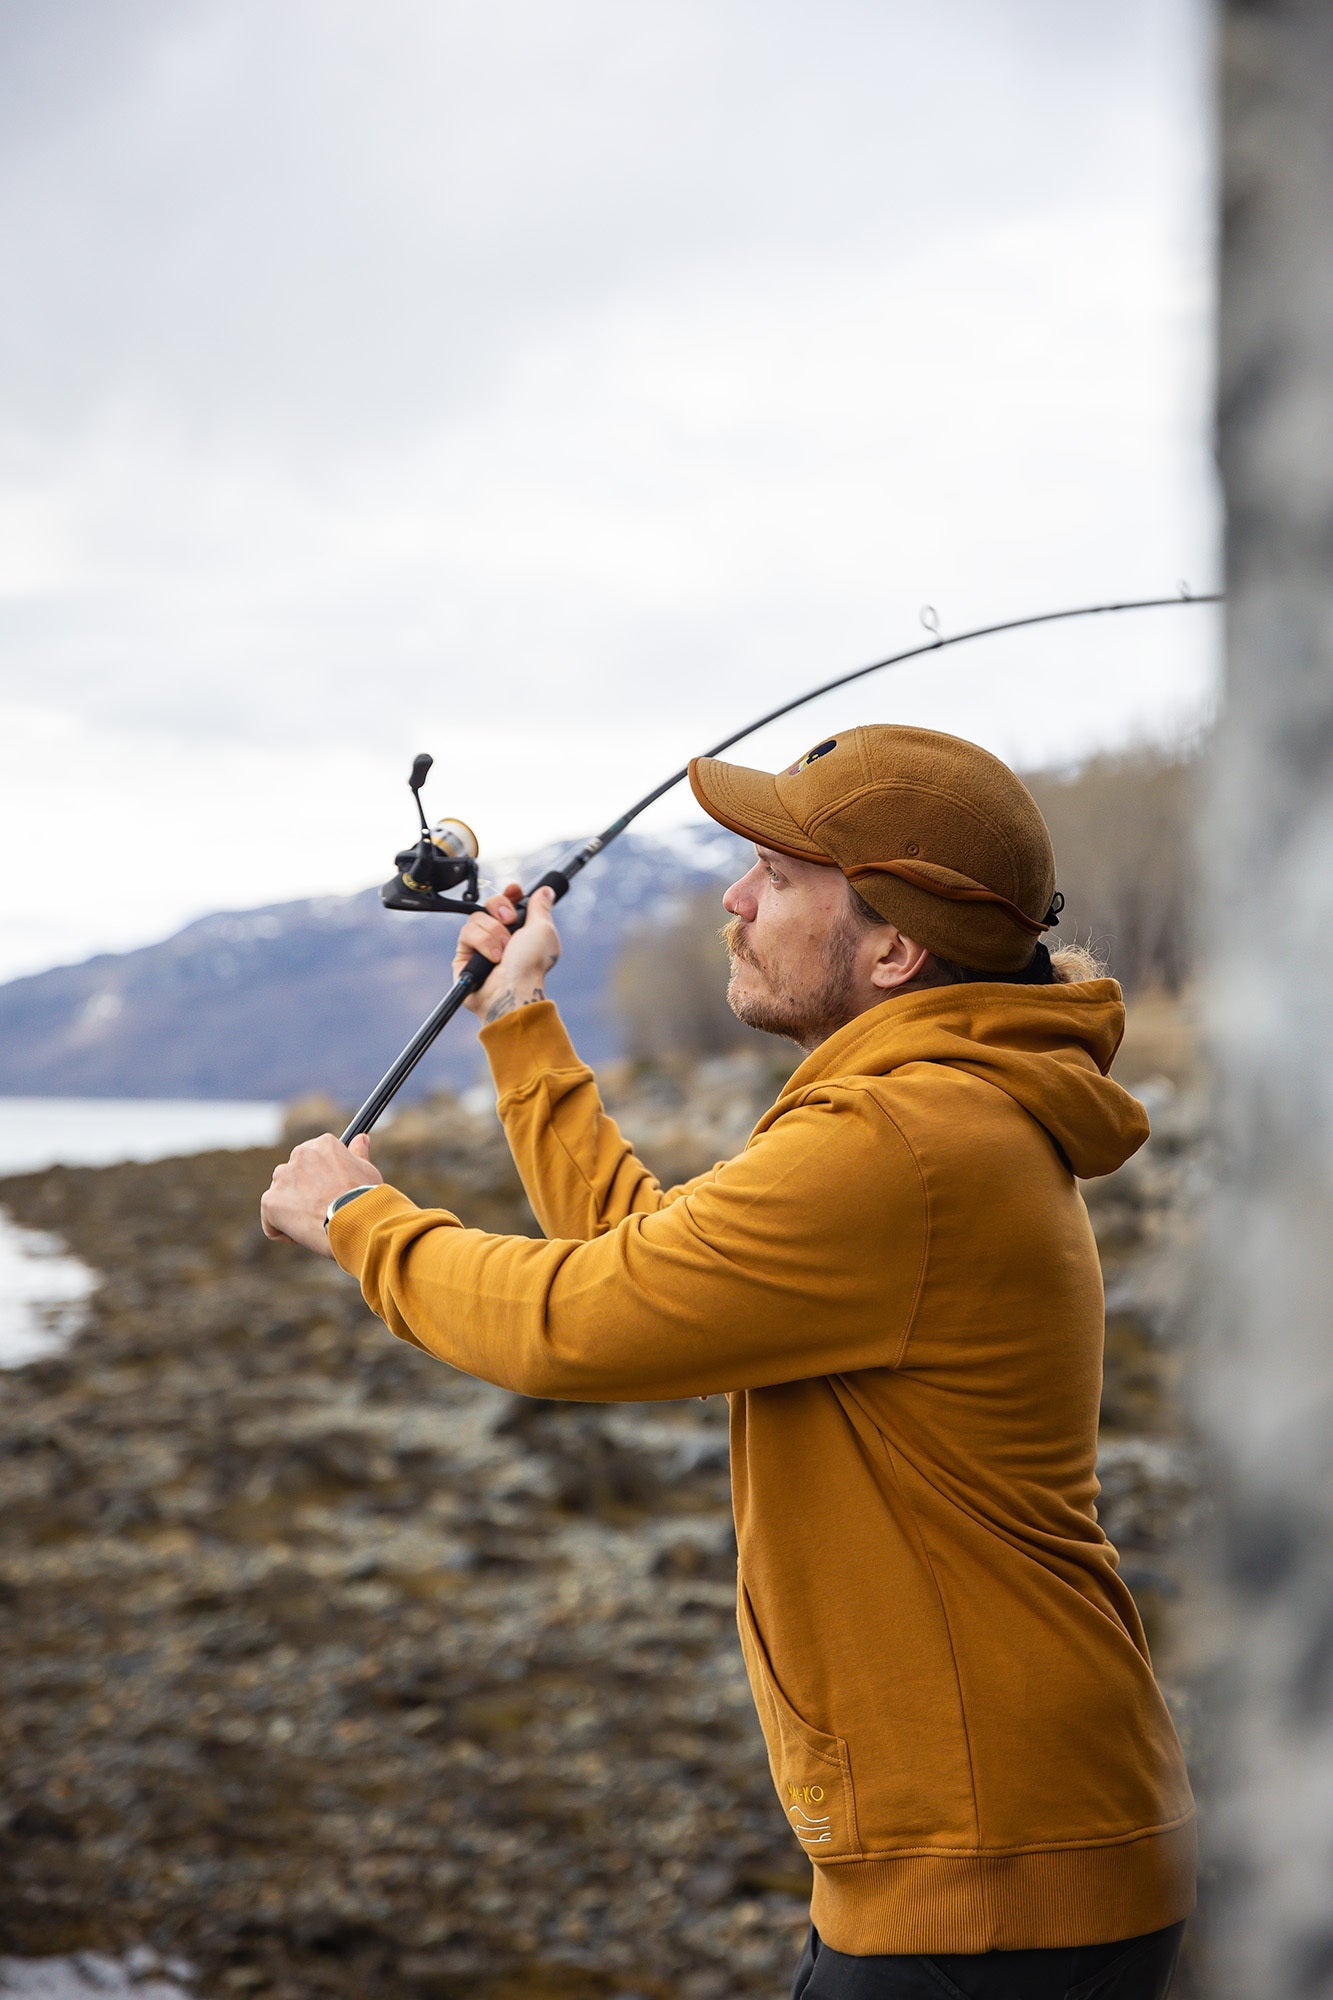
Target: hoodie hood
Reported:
[(1050, 1048)]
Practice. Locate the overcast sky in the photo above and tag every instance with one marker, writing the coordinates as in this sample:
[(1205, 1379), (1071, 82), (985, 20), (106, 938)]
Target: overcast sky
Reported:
[(552, 384)]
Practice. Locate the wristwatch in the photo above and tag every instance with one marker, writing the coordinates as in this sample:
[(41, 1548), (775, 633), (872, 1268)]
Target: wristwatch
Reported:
[(341, 1200)]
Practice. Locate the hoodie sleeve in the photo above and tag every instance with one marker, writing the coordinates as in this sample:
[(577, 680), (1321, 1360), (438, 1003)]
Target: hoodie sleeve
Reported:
[(578, 1171), (759, 1275)]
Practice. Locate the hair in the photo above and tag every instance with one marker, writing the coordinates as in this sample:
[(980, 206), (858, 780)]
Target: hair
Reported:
[(1064, 966)]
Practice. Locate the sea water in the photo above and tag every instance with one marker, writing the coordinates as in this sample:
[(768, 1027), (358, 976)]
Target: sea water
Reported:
[(91, 1975), (42, 1288), (43, 1291), (40, 1132)]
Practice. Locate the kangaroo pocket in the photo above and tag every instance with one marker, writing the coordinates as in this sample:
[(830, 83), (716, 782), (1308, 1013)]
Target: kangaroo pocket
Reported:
[(810, 1768)]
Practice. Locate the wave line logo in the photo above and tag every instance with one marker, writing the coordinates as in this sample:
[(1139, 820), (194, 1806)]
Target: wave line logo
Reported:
[(809, 1828)]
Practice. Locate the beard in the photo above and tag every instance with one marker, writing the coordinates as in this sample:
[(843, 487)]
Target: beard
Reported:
[(806, 1014)]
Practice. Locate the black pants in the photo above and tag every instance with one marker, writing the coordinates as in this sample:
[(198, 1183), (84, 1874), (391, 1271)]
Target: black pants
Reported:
[(1134, 1969)]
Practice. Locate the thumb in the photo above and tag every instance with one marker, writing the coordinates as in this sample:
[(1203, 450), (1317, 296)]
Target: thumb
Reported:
[(361, 1146)]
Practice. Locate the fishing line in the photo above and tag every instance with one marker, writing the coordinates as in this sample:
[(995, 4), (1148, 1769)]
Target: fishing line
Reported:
[(442, 859)]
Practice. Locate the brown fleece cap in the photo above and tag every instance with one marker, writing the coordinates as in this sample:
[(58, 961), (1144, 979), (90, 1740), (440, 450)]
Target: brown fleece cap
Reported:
[(932, 831)]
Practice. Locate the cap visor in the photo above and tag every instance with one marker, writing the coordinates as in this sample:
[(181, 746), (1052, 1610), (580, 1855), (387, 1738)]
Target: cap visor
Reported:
[(747, 802)]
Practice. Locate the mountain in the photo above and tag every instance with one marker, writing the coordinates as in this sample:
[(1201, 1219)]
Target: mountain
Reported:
[(322, 994)]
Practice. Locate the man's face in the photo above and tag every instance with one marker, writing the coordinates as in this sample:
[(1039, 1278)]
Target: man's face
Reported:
[(796, 949)]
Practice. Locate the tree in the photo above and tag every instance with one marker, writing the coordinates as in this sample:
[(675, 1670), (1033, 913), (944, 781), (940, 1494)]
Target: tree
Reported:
[(670, 984), (1267, 1374)]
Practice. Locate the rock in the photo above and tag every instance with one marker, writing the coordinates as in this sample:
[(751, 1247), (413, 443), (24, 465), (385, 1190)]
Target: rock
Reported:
[(337, 1674)]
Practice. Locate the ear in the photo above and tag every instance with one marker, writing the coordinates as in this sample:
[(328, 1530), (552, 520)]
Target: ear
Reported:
[(898, 959)]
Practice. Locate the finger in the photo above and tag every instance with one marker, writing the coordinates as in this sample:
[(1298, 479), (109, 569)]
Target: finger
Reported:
[(540, 903), (485, 935), (361, 1146), (274, 1234)]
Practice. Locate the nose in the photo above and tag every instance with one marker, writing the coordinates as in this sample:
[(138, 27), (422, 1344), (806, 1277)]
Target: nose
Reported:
[(739, 902)]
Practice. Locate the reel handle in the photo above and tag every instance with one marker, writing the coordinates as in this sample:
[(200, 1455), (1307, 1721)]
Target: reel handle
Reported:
[(479, 968)]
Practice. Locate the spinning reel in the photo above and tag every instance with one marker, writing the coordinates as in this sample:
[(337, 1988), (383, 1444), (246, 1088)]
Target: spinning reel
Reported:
[(444, 856)]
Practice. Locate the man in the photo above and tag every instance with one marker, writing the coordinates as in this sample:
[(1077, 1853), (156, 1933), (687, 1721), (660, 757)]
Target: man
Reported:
[(897, 1285)]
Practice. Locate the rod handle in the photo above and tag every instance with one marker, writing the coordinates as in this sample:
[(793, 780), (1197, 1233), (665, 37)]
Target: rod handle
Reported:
[(473, 975)]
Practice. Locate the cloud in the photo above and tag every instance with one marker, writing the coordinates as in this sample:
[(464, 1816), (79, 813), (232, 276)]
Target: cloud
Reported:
[(563, 385), (326, 224)]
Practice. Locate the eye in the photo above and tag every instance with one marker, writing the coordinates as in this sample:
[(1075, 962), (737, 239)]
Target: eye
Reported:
[(773, 874)]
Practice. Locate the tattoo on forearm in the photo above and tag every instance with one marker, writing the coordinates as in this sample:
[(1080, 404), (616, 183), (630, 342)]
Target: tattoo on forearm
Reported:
[(507, 1002)]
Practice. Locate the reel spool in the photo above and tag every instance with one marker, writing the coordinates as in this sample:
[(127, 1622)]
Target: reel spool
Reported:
[(453, 845)]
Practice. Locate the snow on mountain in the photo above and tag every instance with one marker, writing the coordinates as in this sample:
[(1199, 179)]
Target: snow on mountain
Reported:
[(321, 994)]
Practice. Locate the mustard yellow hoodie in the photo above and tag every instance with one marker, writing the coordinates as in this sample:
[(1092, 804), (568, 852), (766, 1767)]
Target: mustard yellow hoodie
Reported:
[(897, 1285)]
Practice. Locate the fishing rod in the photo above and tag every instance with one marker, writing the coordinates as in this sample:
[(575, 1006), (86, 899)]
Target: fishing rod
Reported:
[(445, 856)]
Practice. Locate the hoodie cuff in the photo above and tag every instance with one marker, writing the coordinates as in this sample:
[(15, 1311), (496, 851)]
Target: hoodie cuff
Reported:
[(521, 1044), (351, 1229)]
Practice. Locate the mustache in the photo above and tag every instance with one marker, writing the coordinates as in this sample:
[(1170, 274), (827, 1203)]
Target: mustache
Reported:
[(733, 936)]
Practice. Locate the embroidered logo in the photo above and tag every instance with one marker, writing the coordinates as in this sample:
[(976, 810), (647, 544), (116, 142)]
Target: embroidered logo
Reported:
[(810, 1827), (820, 750)]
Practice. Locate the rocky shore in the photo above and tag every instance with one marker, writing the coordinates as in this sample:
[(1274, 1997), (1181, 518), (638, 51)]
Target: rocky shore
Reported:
[(333, 1673)]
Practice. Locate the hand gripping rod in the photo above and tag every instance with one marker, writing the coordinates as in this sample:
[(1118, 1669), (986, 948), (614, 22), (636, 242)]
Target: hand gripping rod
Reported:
[(479, 967)]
